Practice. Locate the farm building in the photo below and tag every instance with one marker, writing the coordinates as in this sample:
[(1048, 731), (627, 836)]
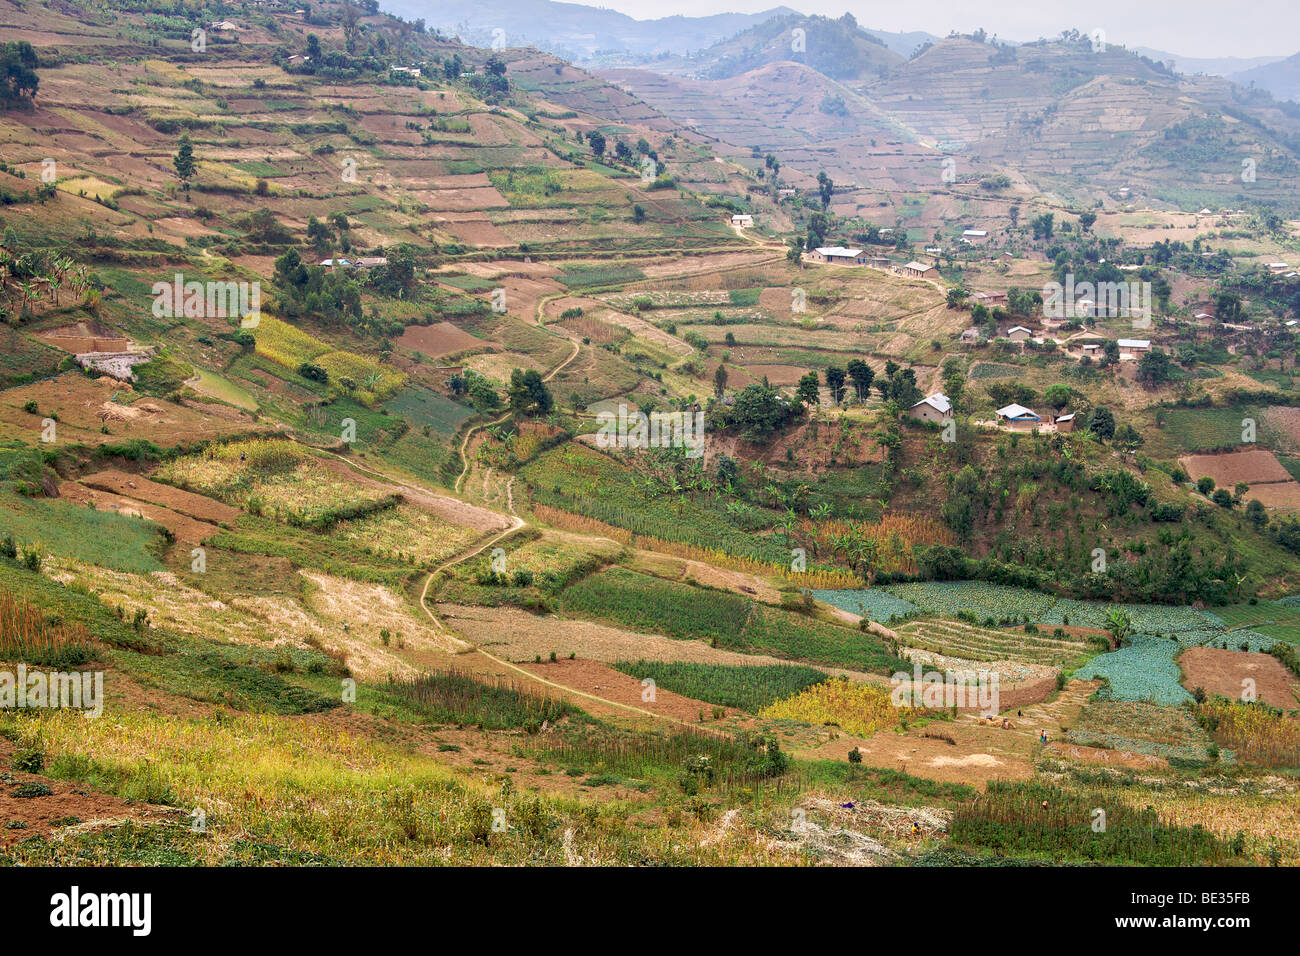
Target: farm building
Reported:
[(742, 220), (1132, 348), (932, 408), (919, 270), (975, 234), (85, 337), (1082, 338), (838, 254), (989, 299), (1065, 423), (369, 262), (222, 25), (881, 262), (1017, 416), (1276, 267), (1018, 333)]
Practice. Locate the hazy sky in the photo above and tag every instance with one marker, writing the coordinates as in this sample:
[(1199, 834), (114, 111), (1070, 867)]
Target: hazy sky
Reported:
[(1198, 28)]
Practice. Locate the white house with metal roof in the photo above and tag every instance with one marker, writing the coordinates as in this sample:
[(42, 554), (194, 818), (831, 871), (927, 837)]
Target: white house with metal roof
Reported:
[(839, 254), (932, 408)]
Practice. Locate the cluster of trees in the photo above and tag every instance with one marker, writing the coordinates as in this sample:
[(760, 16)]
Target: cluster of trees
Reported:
[(480, 392), (896, 385), (311, 290), (1167, 568), (631, 156), (527, 392), (757, 412), (18, 79)]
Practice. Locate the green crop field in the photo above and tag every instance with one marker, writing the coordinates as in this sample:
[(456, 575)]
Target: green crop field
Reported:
[(422, 406), (745, 688), (727, 620), (1206, 429), (24, 358), (593, 275), (645, 603), (104, 538)]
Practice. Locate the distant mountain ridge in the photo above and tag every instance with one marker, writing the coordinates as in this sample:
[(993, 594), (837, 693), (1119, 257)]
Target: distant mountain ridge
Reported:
[(1211, 66), (574, 31), (1281, 78), (837, 48)]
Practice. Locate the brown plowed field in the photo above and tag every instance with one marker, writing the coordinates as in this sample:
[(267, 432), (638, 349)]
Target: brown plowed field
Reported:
[(1252, 467), (186, 529), (1276, 494), (438, 340), (142, 489), (1222, 672)]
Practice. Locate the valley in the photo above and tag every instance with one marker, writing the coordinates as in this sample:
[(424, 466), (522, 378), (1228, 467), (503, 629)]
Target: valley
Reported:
[(447, 454)]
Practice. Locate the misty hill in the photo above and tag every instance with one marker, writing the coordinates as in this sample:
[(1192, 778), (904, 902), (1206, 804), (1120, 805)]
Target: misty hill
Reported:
[(1214, 66), (838, 48), (574, 31), (1281, 78), (1080, 123)]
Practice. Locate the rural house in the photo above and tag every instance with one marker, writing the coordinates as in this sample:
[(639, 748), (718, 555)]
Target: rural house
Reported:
[(1065, 423), (838, 254), (919, 270), (933, 408), (1132, 348), (1018, 333), (742, 220), (1018, 417)]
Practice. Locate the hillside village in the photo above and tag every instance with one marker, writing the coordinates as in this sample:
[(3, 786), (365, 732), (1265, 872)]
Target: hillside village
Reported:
[(450, 454)]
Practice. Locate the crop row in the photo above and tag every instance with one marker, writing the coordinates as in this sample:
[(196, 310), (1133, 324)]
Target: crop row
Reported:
[(982, 644), (723, 619), (745, 688)]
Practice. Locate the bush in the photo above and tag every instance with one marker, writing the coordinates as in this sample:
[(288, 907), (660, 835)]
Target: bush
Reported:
[(29, 760)]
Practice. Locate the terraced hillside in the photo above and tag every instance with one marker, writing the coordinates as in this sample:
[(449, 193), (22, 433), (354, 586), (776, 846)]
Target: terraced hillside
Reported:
[(1082, 123), (967, 641)]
